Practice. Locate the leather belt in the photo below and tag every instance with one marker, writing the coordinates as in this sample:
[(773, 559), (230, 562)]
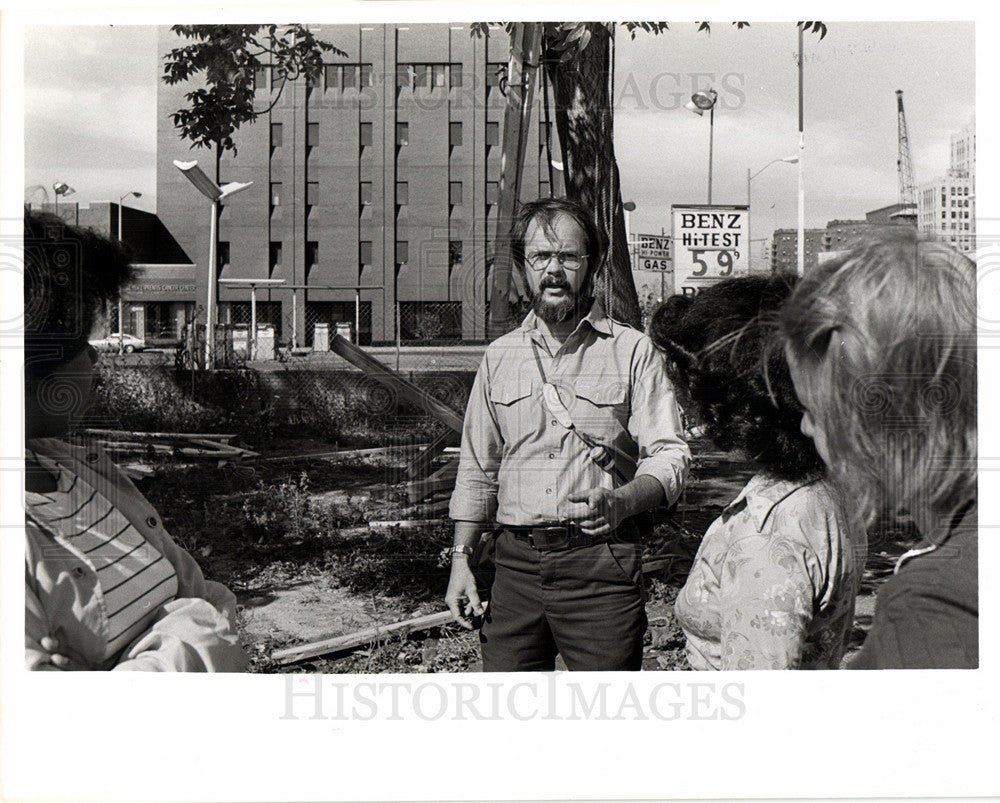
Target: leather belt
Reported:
[(560, 537)]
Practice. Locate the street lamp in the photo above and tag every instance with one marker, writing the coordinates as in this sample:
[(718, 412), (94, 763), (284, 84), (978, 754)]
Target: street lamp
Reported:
[(121, 320), (787, 160), (214, 193), (61, 188), (628, 207), (700, 103)]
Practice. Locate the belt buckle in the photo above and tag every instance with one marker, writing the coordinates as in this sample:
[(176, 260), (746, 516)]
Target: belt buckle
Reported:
[(549, 539)]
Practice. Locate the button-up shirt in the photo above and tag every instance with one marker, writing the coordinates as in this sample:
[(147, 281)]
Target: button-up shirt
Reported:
[(519, 464), (774, 581)]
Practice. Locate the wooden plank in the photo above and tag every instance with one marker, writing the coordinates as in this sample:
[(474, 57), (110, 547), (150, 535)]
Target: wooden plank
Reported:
[(119, 434), (369, 636), (420, 466), (441, 480), (376, 450), (404, 388), (525, 49)]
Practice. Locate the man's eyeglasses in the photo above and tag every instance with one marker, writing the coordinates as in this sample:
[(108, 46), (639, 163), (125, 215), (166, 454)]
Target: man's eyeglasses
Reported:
[(540, 260)]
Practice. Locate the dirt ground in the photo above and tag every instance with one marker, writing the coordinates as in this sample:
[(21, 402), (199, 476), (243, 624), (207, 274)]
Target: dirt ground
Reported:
[(291, 536)]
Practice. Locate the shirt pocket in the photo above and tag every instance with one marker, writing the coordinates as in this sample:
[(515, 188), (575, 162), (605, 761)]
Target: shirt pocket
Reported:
[(516, 409), (601, 408)]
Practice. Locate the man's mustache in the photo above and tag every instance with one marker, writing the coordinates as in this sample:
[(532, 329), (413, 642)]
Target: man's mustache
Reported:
[(554, 281)]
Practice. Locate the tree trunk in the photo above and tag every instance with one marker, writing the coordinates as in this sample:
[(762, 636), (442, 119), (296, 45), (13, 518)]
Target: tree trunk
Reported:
[(584, 122)]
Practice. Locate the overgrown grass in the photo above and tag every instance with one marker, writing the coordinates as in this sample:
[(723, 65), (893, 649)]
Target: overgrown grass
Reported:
[(336, 407)]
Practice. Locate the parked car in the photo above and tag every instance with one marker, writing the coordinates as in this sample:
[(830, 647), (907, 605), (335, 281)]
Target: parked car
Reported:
[(118, 341)]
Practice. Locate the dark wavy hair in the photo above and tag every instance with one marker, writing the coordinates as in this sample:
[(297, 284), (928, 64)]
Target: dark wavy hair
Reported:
[(726, 356), (70, 275)]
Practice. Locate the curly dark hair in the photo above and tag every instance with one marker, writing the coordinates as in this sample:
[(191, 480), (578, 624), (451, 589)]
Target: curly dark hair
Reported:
[(70, 275), (726, 356)]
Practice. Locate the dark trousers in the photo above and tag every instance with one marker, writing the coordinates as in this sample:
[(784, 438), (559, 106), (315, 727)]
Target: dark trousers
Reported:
[(585, 604)]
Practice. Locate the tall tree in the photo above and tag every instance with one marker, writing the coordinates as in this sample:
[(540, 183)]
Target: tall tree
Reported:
[(228, 59)]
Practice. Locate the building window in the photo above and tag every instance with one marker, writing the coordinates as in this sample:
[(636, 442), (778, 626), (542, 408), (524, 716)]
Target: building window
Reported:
[(402, 133), (367, 79), (438, 75), (365, 134), (404, 76), (402, 252), (332, 74), (350, 76), (454, 253), (402, 193), (366, 193), (454, 134), (274, 258), (276, 135), (455, 76), (492, 192), (312, 253), (312, 193), (495, 70), (223, 257), (492, 134), (312, 135), (275, 193), (365, 252), (455, 193), (260, 76)]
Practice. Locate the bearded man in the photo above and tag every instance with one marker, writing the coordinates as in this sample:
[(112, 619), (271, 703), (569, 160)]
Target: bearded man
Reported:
[(571, 430)]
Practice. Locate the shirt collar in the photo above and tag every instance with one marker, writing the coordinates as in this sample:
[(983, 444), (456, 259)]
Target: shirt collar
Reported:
[(596, 318), (761, 495)]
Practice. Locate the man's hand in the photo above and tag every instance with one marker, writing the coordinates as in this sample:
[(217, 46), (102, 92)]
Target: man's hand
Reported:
[(57, 659), (597, 511), (462, 596)]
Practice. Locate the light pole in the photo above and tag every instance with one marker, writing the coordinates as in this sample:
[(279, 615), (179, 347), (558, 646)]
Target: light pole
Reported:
[(214, 193), (788, 160), (61, 188), (699, 103), (121, 320)]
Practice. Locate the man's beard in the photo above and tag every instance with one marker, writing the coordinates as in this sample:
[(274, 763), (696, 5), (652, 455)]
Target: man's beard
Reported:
[(564, 308)]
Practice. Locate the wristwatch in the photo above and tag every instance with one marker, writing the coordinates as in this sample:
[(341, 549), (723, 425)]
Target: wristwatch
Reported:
[(460, 549)]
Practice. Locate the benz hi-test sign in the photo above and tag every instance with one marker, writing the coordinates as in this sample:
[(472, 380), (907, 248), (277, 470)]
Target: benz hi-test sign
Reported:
[(709, 244)]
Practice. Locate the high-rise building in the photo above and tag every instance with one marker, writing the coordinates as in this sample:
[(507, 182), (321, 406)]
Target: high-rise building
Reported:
[(374, 185), (946, 206)]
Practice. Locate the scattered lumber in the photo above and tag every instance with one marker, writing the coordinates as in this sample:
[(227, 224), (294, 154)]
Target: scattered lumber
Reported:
[(370, 635), (420, 466), (403, 387), (441, 480), (121, 434), (338, 453)]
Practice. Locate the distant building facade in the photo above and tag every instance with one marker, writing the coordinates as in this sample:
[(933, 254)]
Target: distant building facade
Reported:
[(375, 185), (947, 205)]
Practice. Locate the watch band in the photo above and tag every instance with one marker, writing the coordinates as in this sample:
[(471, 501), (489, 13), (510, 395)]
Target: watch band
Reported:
[(460, 549)]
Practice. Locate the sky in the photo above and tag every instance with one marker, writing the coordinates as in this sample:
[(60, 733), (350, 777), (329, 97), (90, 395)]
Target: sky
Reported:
[(90, 114)]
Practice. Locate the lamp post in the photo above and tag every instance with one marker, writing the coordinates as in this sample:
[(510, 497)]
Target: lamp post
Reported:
[(61, 188), (121, 320), (700, 103), (788, 160), (214, 193)]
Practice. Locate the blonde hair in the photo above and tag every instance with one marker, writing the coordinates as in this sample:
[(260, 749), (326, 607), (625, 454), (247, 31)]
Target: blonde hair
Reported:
[(882, 344)]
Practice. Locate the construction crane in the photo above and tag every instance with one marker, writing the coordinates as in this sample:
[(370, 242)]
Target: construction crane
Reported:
[(907, 194)]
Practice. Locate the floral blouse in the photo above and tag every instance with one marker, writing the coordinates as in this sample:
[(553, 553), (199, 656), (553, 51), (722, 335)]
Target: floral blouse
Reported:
[(774, 581)]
